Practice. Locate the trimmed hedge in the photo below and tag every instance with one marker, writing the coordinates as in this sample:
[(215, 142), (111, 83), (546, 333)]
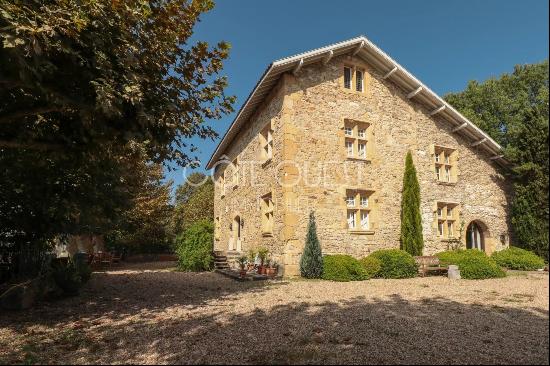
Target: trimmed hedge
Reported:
[(343, 268), (472, 263), (395, 263), (517, 258), (194, 247), (371, 265)]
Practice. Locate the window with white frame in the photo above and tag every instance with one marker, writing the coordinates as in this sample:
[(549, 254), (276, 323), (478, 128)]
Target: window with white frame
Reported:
[(446, 217), (352, 219), (267, 214), (266, 142), (362, 150), (358, 210), (349, 148), (445, 160), (356, 135)]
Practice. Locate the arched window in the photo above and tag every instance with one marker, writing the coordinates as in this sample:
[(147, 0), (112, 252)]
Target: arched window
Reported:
[(474, 237)]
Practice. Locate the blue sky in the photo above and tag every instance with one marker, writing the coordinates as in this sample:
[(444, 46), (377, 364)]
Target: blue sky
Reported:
[(443, 43)]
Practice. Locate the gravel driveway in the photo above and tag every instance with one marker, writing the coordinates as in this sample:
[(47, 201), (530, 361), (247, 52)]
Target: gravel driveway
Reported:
[(151, 314)]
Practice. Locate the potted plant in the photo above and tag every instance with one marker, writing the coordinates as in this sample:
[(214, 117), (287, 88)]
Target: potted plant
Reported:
[(242, 260), (272, 269), (262, 253), (251, 259)]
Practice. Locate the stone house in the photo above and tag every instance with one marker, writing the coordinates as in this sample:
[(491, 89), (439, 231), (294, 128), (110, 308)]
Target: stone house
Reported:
[(328, 130)]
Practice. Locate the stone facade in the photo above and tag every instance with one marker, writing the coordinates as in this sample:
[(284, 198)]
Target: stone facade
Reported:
[(310, 170)]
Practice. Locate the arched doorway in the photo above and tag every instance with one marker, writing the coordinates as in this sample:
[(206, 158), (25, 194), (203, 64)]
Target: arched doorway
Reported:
[(475, 236)]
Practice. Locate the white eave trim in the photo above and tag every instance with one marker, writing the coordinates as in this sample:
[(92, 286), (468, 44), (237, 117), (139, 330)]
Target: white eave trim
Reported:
[(325, 54)]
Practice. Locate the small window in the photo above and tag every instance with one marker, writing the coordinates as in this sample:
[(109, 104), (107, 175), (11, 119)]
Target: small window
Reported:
[(347, 77), (266, 141), (450, 229), (351, 219), (362, 150), (359, 81), (445, 164), (358, 210), (446, 223), (365, 220), (448, 174), (349, 148), (357, 136), (267, 215)]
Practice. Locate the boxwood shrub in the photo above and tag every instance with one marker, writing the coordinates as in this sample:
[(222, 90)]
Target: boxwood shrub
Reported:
[(517, 258), (342, 268), (472, 263), (371, 265), (395, 263)]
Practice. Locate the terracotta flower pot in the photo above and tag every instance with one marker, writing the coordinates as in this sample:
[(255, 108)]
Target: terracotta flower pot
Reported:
[(261, 270), (271, 272)]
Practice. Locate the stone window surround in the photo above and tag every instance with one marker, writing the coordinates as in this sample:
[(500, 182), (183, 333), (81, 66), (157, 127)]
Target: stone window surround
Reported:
[(235, 172), (266, 143), (445, 159), (354, 66), (267, 209), (367, 139), (442, 220), (358, 194)]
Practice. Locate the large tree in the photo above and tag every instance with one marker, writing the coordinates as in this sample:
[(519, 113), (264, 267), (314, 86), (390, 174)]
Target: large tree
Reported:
[(84, 87), (513, 109), (412, 240), (145, 227), (194, 202)]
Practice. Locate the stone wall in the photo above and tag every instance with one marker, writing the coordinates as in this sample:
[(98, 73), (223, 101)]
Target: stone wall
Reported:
[(308, 112)]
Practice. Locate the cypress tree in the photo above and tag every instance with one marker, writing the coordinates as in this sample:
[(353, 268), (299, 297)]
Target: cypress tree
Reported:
[(311, 263), (411, 220)]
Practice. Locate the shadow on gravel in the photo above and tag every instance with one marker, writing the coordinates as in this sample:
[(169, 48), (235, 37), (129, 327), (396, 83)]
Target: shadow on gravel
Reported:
[(358, 331)]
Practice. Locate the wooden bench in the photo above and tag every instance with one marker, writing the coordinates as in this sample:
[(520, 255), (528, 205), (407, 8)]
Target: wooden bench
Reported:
[(429, 264)]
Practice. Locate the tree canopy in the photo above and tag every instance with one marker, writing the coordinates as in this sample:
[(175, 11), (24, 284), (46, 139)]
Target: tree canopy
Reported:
[(513, 109), (194, 202), (89, 92)]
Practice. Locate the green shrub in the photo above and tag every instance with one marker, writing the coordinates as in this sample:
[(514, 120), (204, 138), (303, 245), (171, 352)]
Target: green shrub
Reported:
[(395, 263), (472, 263), (311, 262), (371, 265), (517, 258), (343, 268), (194, 247), (412, 240), (66, 276)]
